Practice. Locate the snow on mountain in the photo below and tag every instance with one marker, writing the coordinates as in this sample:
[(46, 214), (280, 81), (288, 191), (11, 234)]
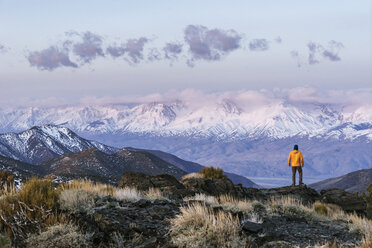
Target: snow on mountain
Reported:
[(41, 143), (223, 119)]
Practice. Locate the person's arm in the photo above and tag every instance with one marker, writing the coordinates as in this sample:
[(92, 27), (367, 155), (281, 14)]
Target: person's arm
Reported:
[(289, 160), (302, 160)]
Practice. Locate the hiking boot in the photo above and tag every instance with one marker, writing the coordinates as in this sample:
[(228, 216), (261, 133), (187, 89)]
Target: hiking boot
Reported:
[(293, 185), (301, 184)]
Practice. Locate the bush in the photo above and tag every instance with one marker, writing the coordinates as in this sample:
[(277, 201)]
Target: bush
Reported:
[(6, 181), (200, 226), (30, 209), (59, 236), (320, 208), (211, 172)]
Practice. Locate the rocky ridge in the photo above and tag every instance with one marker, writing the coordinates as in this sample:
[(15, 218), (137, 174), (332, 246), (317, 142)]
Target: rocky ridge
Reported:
[(145, 223)]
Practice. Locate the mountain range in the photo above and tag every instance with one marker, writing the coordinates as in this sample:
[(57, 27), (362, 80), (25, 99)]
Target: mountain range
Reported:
[(56, 150), (252, 141)]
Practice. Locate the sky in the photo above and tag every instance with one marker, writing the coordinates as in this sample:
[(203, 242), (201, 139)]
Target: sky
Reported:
[(89, 49)]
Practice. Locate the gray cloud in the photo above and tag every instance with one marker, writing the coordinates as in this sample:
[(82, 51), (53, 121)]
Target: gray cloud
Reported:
[(154, 55), (172, 50), (295, 55), (331, 53), (2, 48), (278, 40), (90, 48), (314, 50), (115, 51), (133, 48), (259, 45), (50, 59), (210, 44)]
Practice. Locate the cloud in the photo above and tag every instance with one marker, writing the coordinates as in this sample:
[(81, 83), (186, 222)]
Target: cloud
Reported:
[(115, 51), (154, 55), (210, 44), (278, 40), (259, 45), (330, 53), (172, 50), (50, 59), (334, 48), (132, 48), (314, 49), (90, 48), (3, 48)]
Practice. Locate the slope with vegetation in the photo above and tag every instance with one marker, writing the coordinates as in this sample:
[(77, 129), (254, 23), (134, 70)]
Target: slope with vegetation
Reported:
[(160, 211)]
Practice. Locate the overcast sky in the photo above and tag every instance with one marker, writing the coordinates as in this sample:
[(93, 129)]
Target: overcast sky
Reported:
[(79, 49)]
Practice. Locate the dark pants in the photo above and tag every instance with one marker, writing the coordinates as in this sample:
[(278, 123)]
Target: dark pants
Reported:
[(294, 169)]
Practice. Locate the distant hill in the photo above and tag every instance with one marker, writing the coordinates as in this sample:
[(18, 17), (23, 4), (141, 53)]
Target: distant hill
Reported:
[(356, 181), (191, 167), (95, 164)]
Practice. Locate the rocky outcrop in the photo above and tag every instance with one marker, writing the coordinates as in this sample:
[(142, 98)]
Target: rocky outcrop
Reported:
[(166, 183), (347, 201), (140, 224), (305, 194), (210, 186)]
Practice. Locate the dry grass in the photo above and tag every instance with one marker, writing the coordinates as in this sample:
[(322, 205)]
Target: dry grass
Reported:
[(59, 236), (326, 212), (128, 194), (76, 200), (199, 226), (89, 186), (153, 194), (211, 200), (230, 203), (192, 175)]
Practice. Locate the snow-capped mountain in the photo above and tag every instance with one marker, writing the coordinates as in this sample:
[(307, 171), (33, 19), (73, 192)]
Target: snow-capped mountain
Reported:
[(249, 139), (223, 120), (44, 142)]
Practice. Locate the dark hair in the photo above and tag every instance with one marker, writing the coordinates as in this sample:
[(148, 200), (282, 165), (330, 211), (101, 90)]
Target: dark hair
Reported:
[(295, 147)]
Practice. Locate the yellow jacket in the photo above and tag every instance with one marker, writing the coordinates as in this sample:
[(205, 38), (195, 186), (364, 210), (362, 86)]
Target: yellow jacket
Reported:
[(296, 157)]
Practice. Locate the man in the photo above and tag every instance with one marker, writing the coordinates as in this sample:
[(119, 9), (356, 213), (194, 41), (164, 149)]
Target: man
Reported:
[(297, 160)]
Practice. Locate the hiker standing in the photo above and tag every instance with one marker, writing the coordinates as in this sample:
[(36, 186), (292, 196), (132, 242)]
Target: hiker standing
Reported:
[(297, 160)]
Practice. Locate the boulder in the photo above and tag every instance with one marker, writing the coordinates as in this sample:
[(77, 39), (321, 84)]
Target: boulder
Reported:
[(210, 186), (347, 201)]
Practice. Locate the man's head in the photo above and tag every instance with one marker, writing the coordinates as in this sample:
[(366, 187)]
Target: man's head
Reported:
[(295, 147)]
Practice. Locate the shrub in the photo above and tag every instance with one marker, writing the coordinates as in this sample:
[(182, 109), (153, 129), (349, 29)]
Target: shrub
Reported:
[(211, 172), (76, 200), (6, 181), (128, 194), (192, 175), (199, 226), (59, 236), (153, 194), (89, 186), (320, 208), (30, 209)]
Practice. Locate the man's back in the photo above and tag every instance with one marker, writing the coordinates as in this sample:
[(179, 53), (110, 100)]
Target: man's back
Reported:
[(296, 158)]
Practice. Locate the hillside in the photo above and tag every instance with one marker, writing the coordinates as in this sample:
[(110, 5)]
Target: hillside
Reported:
[(356, 181), (191, 167), (94, 164)]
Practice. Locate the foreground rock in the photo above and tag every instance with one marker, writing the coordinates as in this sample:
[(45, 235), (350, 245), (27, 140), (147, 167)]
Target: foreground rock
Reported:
[(347, 201)]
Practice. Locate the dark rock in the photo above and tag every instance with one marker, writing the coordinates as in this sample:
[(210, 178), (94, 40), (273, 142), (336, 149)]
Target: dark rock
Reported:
[(251, 227), (210, 186), (303, 193), (347, 201)]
